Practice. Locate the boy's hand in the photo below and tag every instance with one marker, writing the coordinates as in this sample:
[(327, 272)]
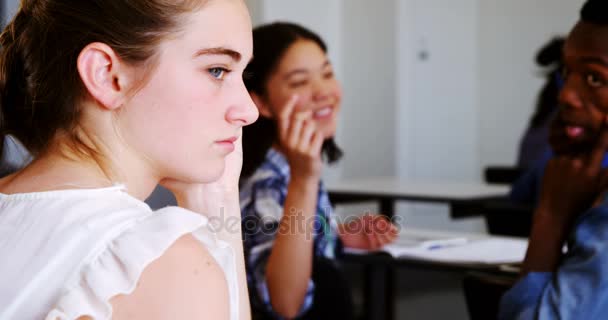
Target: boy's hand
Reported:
[(572, 183)]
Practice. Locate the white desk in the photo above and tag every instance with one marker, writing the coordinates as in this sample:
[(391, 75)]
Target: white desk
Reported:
[(379, 273), (379, 267), (459, 250), (461, 196), (428, 191)]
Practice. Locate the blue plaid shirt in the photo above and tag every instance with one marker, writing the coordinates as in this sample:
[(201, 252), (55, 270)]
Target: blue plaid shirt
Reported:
[(262, 198), (578, 289)]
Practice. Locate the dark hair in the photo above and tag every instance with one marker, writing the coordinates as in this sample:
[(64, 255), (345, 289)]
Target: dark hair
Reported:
[(595, 12), (550, 58), (40, 87), (270, 42)]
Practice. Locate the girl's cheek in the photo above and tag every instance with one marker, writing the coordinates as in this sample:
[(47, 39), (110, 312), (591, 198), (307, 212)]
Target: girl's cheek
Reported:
[(338, 91)]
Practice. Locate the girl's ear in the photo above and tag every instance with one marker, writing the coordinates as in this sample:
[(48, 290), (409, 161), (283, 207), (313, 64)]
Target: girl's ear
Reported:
[(105, 76)]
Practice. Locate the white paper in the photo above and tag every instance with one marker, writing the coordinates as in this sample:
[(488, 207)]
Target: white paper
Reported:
[(477, 249)]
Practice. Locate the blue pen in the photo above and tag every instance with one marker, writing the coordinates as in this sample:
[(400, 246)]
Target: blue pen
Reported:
[(447, 243)]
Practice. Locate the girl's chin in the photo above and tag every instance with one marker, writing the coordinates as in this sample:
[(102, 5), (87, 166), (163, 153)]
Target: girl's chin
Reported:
[(209, 175), (329, 130)]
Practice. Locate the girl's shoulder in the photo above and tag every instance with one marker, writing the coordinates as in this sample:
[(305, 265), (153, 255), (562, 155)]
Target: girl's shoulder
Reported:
[(71, 251)]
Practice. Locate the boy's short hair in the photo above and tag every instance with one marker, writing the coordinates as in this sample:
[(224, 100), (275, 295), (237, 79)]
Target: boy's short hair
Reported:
[(595, 11)]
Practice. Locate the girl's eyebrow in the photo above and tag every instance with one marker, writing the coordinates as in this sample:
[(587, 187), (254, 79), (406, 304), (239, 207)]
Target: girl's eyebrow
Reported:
[(303, 71), (234, 55)]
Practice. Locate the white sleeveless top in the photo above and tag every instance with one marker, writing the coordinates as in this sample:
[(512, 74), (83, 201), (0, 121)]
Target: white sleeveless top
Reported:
[(65, 254)]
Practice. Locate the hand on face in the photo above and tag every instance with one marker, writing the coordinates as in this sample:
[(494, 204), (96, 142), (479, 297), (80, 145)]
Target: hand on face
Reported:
[(368, 232), (300, 140), (193, 194), (573, 181)]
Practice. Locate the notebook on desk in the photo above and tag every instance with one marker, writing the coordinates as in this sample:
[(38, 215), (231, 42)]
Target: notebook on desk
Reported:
[(455, 248)]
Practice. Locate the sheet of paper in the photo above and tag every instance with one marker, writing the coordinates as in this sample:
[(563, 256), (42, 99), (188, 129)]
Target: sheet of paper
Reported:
[(450, 248)]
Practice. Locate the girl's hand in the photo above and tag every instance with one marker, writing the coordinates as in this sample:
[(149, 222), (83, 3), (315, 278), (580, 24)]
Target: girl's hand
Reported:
[(202, 197), (368, 232), (300, 141)]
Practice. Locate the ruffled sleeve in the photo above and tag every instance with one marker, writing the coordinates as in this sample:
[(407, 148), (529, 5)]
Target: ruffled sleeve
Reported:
[(116, 265)]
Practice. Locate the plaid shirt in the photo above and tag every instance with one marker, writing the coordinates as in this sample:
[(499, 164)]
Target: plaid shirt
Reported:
[(262, 198)]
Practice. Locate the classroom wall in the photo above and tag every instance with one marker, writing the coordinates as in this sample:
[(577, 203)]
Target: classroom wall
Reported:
[(437, 90), (369, 74), (327, 23), (445, 88), (510, 34), (437, 118), (363, 55)]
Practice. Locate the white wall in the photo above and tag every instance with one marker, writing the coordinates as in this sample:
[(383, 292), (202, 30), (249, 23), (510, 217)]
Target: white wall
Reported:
[(368, 116), (437, 89), (326, 23), (255, 10), (437, 120), (445, 117), (510, 33), (360, 36), (467, 105)]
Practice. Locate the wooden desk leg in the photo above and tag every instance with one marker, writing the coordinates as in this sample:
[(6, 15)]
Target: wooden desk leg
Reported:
[(379, 291)]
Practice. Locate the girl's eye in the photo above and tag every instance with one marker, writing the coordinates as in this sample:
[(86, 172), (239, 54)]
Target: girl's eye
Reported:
[(218, 73), (297, 84)]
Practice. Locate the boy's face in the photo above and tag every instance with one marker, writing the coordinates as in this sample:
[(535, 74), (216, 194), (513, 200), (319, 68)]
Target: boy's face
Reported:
[(584, 97)]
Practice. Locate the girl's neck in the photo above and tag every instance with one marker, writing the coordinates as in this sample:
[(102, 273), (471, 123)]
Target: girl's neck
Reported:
[(60, 171)]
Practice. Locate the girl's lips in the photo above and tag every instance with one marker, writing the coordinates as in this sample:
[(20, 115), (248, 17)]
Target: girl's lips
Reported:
[(231, 139), (322, 113), (228, 144)]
